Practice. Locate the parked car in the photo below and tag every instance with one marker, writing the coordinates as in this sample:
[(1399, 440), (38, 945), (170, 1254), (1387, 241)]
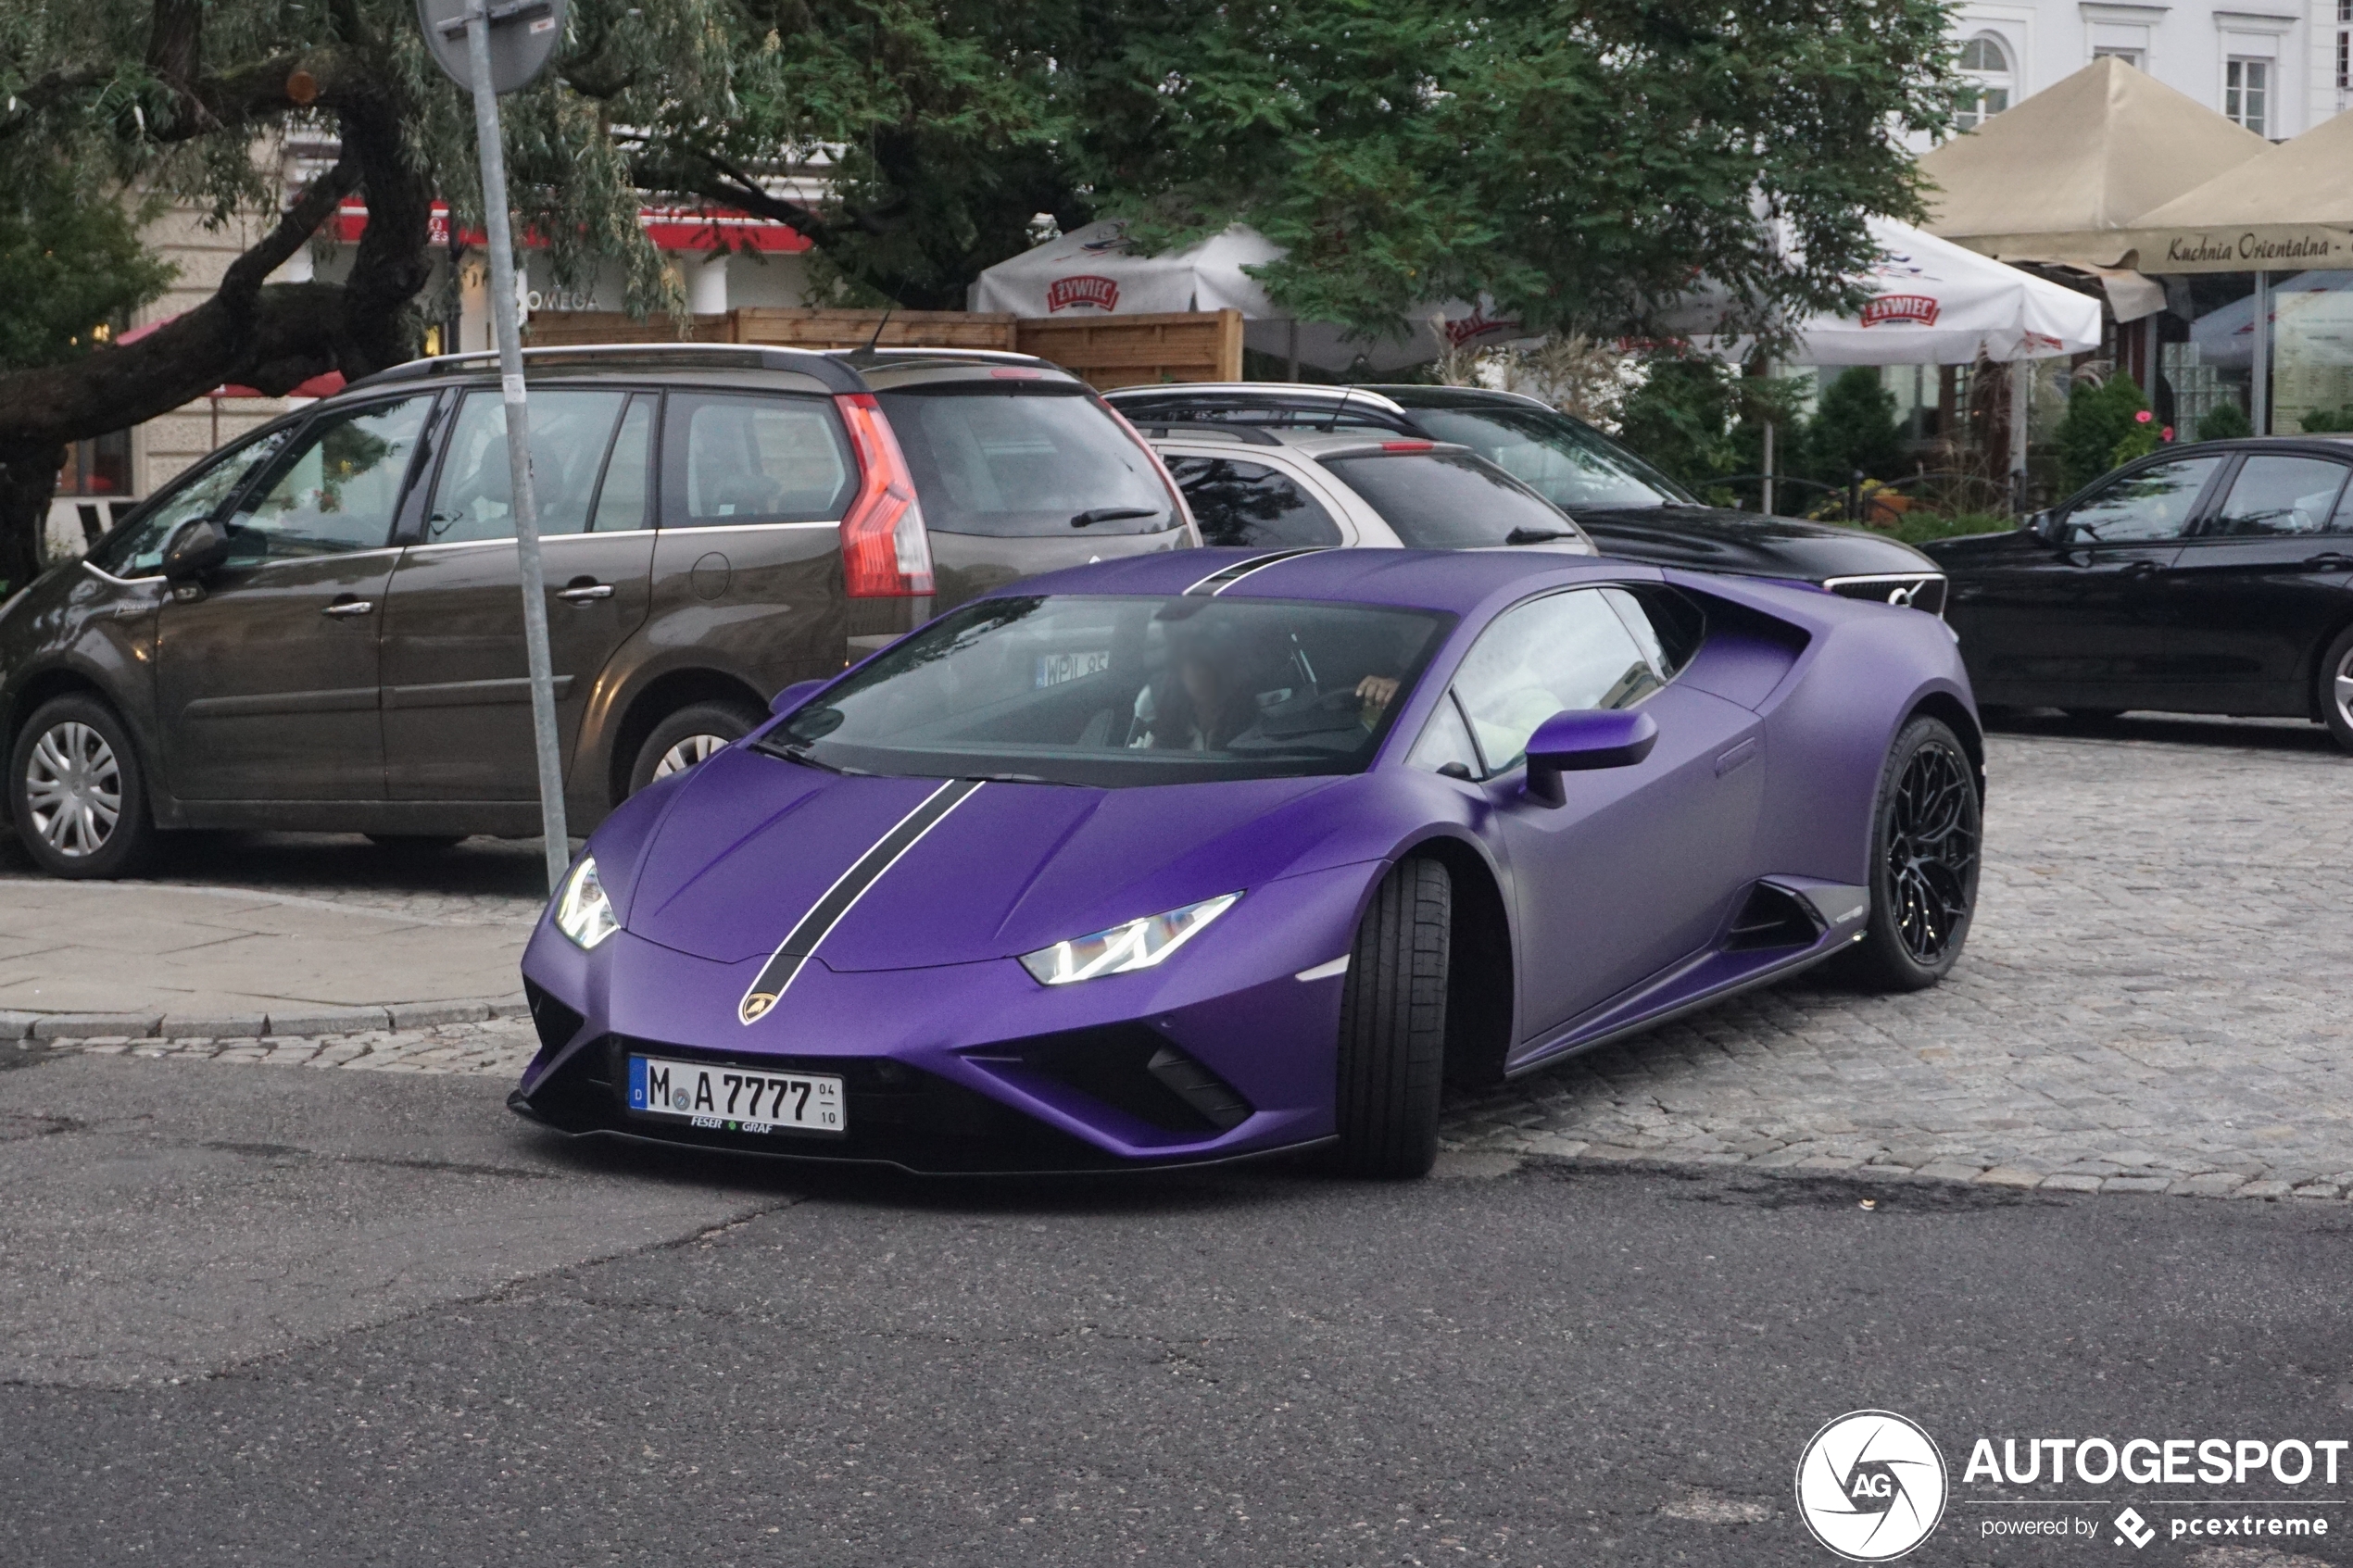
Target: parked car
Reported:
[(1166, 861), (1627, 508), (1251, 487), (2211, 578), (321, 626)]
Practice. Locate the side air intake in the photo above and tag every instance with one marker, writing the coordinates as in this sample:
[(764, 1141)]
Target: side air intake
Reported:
[(1772, 918)]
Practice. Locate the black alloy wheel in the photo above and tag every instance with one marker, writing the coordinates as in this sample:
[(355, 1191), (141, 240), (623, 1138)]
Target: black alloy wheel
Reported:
[(1926, 835), (2336, 688)]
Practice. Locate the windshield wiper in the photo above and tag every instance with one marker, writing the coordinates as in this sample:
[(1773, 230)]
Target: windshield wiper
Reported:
[(1536, 535), (802, 754), (1093, 515)]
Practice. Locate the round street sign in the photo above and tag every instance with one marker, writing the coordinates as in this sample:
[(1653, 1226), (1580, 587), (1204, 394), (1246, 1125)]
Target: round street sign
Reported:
[(523, 35)]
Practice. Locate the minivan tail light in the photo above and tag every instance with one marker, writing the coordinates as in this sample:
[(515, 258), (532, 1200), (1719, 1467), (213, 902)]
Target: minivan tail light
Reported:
[(885, 552)]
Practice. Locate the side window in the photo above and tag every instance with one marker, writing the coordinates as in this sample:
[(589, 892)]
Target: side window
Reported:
[(731, 460), (137, 550), (335, 489), (2281, 495), (1250, 504), (1445, 743), (474, 498), (622, 500), (2155, 504), (1563, 651)]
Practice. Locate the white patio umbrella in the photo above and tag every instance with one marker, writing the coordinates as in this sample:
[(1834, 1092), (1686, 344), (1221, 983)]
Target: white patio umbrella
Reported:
[(1932, 303), (1091, 271)]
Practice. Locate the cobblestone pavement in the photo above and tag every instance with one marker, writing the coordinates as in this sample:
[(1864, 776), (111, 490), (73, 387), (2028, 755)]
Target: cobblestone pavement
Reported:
[(2158, 995)]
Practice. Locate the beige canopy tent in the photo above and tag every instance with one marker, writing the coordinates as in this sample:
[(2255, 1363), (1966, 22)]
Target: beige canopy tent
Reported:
[(2059, 177), (2289, 210)]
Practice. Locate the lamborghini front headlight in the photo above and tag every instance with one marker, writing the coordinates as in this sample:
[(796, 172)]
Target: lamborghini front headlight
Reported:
[(582, 913), (1139, 944)]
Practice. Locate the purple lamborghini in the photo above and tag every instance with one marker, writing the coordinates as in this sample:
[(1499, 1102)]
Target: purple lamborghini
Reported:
[(1193, 856)]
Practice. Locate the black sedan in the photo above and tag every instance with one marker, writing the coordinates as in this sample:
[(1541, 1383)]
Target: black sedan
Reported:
[(1629, 508), (2213, 578)]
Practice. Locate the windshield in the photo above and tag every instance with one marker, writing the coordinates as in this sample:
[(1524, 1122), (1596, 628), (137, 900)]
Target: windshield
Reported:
[(1118, 691), (1021, 463), (1567, 464), (1451, 500)]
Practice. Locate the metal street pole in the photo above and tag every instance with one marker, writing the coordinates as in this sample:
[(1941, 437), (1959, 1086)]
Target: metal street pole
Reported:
[(500, 243)]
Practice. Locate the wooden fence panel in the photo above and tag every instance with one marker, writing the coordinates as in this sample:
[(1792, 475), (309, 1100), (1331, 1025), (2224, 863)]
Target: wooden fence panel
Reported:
[(1106, 351), (1109, 351)]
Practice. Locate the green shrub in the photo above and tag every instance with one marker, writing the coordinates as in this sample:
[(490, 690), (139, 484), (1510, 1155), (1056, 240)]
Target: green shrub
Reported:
[(2328, 421), (1853, 427), (1681, 420), (2228, 421), (2098, 420)]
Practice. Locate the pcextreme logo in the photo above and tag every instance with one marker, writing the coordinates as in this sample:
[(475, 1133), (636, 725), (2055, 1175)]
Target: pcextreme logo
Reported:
[(1870, 1486)]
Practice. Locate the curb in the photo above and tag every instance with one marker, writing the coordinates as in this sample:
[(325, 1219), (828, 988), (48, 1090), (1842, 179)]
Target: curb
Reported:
[(2007, 1182), (293, 1022)]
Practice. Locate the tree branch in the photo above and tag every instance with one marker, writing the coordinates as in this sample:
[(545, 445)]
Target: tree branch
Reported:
[(314, 207)]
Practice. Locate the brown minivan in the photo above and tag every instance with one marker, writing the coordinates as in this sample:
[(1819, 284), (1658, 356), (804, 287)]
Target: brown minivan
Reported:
[(321, 627)]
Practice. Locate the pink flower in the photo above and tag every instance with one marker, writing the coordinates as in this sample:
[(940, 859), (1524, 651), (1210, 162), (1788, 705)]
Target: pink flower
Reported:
[(2143, 417), (2165, 435)]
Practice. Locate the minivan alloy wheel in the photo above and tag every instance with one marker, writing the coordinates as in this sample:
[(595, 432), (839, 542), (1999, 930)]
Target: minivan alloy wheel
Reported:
[(689, 750), (73, 788)]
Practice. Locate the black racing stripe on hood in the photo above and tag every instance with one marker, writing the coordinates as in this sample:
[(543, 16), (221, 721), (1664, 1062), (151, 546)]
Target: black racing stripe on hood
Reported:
[(813, 928), (1226, 577)]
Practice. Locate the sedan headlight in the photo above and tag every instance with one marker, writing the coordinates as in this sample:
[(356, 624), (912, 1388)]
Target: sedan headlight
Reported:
[(1139, 944), (583, 913)]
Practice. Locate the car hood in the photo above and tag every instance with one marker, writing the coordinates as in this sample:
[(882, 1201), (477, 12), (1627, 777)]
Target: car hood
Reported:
[(1971, 550), (754, 842), (1746, 543)]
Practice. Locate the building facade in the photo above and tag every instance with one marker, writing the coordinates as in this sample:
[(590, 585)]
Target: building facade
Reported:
[(2276, 66)]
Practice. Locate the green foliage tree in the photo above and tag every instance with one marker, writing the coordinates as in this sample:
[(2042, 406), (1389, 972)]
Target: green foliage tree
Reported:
[(2097, 419), (1577, 166), (1853, 427), (1682, 419), (67, 264)]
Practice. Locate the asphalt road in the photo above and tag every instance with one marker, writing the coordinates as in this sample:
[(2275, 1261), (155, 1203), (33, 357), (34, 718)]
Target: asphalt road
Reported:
[(271, 1316)]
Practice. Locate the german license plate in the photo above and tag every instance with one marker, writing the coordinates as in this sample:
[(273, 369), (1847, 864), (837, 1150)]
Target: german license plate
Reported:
[(736, 1100)]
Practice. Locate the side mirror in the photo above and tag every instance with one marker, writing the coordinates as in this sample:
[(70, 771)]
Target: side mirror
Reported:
[(198, 548), (792, 697), (2048, 527), (1585, 739)]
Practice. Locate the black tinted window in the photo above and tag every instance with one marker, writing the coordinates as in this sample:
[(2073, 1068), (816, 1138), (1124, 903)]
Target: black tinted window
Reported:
[(2156, 503), (1011, 461), (732, 460), (2281, 495), (1447, 500), (1567, 464), (1251, 505)]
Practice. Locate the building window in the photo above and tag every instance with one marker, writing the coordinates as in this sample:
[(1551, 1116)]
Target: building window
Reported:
[(100, 466), (2246, 93), (2115, 52), (1986, 80), (2344, 44)]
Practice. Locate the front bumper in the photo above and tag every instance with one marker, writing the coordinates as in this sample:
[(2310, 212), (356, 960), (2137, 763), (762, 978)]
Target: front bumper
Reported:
[(972, 1067)]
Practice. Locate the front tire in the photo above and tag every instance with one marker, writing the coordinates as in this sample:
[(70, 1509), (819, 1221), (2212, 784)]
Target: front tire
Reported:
[(687, 737), (1392, 1025), (1927, 827), (2336, 688), (77, 792)]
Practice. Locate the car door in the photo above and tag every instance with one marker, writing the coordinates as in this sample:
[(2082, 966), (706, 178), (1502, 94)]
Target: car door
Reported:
[(2261, 586), (1640, 868), (748, 569), (267, 673), (1236, 502), (2076, 619), (456, 676)]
